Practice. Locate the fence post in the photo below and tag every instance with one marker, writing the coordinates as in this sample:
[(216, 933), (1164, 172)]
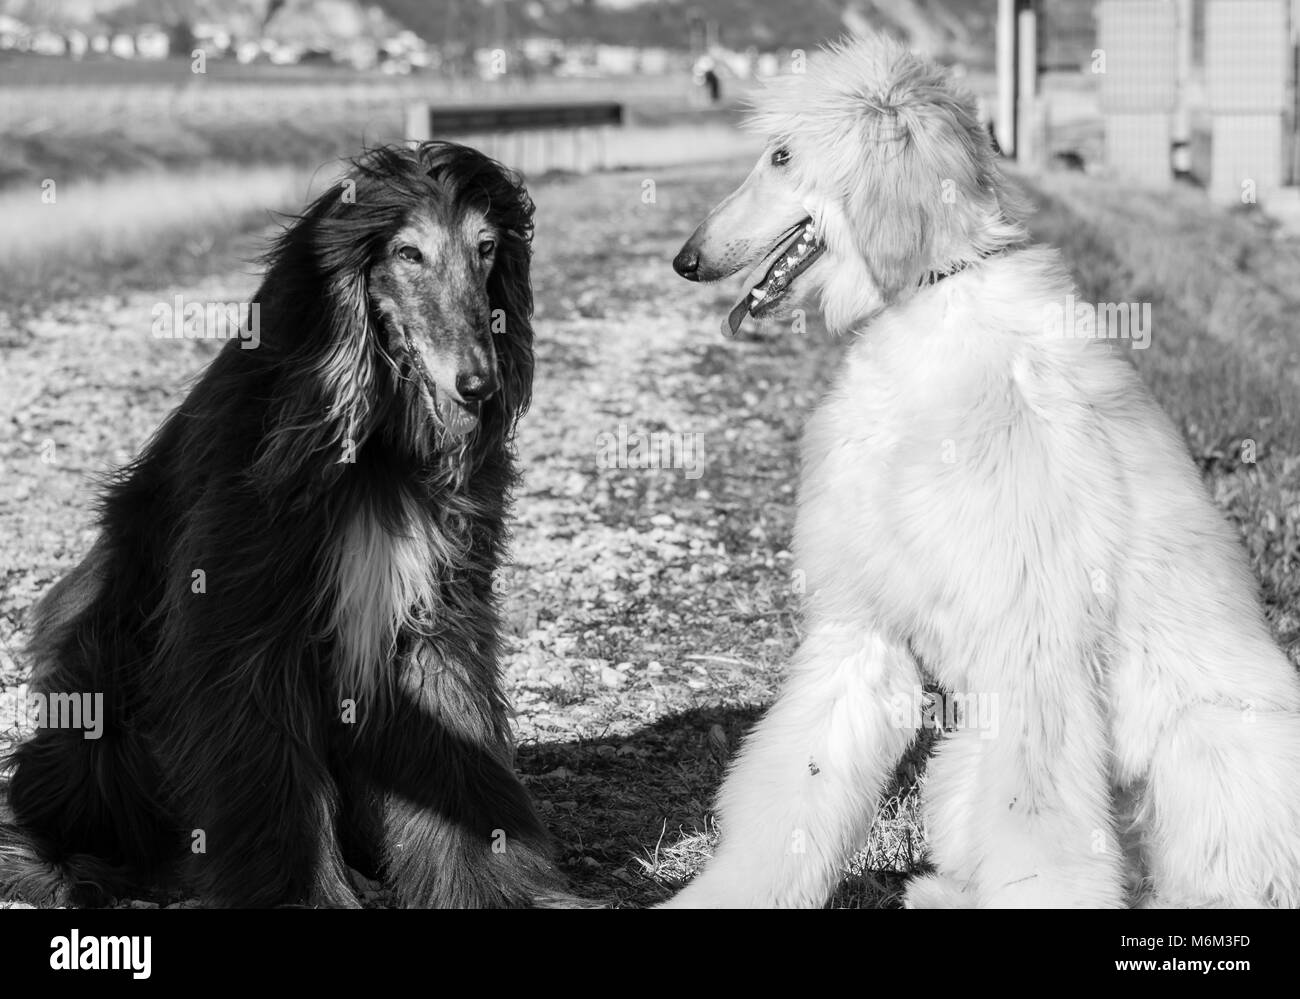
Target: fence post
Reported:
[(418, 126)]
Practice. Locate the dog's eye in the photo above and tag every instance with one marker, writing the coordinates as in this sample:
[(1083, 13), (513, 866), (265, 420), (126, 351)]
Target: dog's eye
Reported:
[(487, 247), (410, 254), (780, 156)]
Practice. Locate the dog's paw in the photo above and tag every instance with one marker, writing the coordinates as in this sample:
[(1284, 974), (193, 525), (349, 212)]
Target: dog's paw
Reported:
[(935, 891), (699, 894), (676, 902), (563, 900)]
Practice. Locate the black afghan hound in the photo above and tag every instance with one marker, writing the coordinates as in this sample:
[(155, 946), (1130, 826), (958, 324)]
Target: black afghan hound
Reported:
[(290, 609)]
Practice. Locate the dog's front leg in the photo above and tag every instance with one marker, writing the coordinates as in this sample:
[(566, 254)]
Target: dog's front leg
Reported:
[(801, 795), (459, 829)]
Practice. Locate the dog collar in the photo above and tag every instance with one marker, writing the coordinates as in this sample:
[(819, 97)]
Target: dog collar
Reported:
[(934, 277)]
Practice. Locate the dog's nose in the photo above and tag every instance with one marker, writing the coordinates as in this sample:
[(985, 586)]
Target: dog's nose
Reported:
[(475, 388), (687, 263)]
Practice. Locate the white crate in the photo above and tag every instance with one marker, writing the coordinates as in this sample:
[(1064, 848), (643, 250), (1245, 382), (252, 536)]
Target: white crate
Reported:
[(1139, 41), (1246, 149), (1138, 147), (1246, 55)]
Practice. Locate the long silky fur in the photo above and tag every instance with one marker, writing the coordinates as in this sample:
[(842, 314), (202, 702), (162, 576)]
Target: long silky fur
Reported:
[(332, 693), (1007, 511)]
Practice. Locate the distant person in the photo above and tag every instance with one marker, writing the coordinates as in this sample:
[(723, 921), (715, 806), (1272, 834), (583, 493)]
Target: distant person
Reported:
[(712, 85), (707, 79)]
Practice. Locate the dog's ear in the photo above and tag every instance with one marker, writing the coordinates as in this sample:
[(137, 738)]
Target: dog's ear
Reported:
[(930, 195), (510, 297), (325, 392), (346, 370)]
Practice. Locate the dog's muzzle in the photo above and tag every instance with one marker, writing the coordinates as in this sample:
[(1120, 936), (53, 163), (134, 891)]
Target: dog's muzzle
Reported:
[(687, 263)]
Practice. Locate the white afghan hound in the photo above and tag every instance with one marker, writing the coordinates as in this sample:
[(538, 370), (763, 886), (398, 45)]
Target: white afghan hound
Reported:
[(1002, 506)]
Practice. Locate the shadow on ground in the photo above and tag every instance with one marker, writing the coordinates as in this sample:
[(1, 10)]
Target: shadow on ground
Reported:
[(633, 817)]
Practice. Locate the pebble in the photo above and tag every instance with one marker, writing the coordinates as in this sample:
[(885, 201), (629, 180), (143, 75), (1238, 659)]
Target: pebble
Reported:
[(612, 677)]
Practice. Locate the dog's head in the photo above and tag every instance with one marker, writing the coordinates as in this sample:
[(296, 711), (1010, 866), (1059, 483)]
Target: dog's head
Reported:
[(424, 258), (876, 173), (448, 277), (428, 288)]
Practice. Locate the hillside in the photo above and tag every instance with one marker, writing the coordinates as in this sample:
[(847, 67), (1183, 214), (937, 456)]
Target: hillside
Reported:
[(955, 28)]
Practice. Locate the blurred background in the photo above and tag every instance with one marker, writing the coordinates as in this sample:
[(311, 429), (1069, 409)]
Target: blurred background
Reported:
[(91, 88), (175, 83)]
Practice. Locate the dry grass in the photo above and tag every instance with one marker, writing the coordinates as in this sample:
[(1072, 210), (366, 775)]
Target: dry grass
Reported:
[(95, 236), (1225, 354)]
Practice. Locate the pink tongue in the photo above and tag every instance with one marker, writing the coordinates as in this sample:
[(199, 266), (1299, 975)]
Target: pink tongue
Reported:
[(731, 325)]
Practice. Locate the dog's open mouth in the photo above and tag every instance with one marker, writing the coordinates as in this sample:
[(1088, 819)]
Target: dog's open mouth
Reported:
[(456, 418), (769, 282)]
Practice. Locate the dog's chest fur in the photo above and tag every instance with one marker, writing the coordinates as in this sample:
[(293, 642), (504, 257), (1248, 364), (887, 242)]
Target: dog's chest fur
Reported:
[(934, 463), (385, 578)]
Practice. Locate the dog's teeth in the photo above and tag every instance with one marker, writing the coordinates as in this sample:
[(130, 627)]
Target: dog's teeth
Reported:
[(757, 295)]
